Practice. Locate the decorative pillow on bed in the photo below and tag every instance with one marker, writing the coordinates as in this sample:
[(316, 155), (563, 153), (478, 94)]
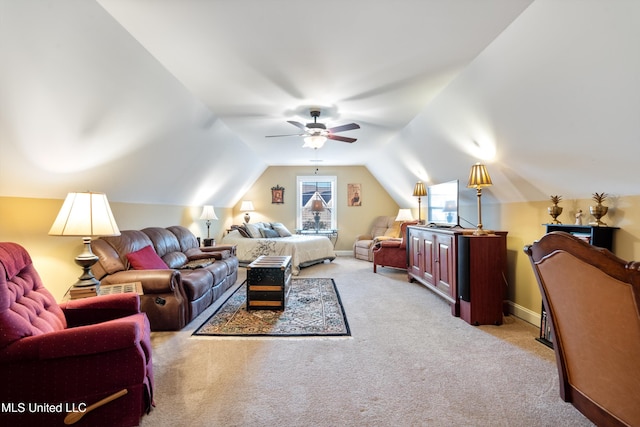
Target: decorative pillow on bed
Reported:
[(281, 229), (241, 229), (253, 230), (269, 233), (146, 259)]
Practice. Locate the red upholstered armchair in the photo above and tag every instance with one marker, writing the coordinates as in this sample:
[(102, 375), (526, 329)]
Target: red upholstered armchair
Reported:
[(56, 359), (392, 253)]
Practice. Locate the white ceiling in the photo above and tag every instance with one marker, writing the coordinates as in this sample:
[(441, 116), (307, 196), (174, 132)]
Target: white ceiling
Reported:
[(257, 64), (169, 101)]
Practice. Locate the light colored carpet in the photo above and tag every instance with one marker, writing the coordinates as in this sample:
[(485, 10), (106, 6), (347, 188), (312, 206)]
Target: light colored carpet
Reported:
[(407, 363)]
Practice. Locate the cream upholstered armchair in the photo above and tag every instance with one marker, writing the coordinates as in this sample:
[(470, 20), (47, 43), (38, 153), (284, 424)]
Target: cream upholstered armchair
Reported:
[(384, 228)]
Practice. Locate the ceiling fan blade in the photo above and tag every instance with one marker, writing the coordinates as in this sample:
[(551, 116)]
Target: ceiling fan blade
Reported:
[(292, 134), (343, 128), (341, 138), (297, 124)]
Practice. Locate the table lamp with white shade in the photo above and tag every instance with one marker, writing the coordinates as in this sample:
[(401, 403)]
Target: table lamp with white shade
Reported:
[(208, 213), (85, 215)]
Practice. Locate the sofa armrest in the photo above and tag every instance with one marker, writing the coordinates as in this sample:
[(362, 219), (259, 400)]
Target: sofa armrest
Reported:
[(364, 237), (153, 281), (389, 243), (74, 342), (219, 248), (92, 310), (200, 253), (378, 239)]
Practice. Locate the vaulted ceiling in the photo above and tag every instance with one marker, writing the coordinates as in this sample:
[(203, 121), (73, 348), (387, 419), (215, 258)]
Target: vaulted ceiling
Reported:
[(170, 101)]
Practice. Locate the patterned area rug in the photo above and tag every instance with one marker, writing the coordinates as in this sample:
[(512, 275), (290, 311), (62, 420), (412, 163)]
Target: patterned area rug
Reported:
[(313, 308)]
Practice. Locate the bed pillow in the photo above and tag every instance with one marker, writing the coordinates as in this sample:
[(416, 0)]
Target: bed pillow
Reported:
[(269, 233), (253, 230), (241, 229), (146, 259), (281, 229)]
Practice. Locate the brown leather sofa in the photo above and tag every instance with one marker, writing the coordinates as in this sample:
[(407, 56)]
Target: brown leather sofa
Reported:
[(195, 277)]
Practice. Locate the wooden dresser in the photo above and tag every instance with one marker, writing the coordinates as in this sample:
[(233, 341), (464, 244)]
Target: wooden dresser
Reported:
[(467, 271)]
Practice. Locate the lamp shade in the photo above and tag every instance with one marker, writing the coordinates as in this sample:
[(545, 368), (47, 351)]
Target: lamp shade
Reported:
[(479, 177), (85, 214), (450, 206), (404, 215), (208, 213), (315, 141), (317, 205), (247, 206), (419, 190)]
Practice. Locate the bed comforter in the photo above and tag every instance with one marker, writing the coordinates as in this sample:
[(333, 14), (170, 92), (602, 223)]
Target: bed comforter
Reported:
[(304, 250)]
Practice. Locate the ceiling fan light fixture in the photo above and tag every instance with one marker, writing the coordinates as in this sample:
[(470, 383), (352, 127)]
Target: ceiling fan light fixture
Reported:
[(314, 141)]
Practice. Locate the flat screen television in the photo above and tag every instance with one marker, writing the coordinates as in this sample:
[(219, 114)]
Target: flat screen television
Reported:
[(442, 204)]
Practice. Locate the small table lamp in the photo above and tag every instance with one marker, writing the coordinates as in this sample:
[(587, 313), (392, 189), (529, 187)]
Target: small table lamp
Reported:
[(85, 215), (316, 207), (419, 191), (246, 207), (478, 178), (450, 206), (208, 214), (404, 215)]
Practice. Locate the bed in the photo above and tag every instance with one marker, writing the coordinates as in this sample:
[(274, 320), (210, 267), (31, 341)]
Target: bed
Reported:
[(304, 250)]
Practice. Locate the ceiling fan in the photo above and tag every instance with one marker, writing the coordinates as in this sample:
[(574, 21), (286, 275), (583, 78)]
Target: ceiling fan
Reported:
[(315, 134)]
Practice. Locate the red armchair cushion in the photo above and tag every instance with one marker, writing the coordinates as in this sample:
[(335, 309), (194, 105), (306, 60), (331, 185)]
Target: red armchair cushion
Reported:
[(26, 307), (146, 259)]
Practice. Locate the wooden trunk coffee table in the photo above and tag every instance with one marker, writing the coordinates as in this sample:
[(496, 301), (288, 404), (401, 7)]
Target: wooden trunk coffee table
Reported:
[(268, 281)]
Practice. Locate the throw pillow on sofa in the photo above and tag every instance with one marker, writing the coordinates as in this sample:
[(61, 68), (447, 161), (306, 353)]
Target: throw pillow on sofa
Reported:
[(146, 259)]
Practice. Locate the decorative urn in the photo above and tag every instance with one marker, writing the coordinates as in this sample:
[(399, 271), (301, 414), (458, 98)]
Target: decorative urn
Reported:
[(598, 211), (555, 210)]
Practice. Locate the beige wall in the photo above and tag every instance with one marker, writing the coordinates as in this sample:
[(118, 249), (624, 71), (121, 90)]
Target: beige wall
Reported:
[(27, 221), (524, 222), (352, 220)]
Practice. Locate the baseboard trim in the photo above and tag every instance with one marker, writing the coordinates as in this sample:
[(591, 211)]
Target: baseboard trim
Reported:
[(523, 313), (344, 253)]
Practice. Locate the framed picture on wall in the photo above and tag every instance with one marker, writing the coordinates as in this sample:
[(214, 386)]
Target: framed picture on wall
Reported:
[(277, 194), (354, 194)]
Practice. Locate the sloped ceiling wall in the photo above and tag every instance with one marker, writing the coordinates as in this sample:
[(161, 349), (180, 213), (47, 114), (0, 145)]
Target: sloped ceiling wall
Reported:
[(85, 107), (552, 106)]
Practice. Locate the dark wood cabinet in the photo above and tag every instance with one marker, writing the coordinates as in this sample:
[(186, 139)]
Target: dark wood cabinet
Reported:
[(432, 261), (436, 261), (597, 236), (482, 265)]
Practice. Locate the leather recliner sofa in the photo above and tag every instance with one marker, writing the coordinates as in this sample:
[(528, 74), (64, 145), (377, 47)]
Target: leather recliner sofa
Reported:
[(174, 295)]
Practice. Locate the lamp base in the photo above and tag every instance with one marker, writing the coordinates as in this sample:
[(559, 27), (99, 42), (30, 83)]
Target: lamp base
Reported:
[(247, 218), (86, 260), (480, 232)]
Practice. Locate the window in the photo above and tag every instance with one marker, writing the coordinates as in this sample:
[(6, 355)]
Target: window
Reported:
[(316, 203)]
